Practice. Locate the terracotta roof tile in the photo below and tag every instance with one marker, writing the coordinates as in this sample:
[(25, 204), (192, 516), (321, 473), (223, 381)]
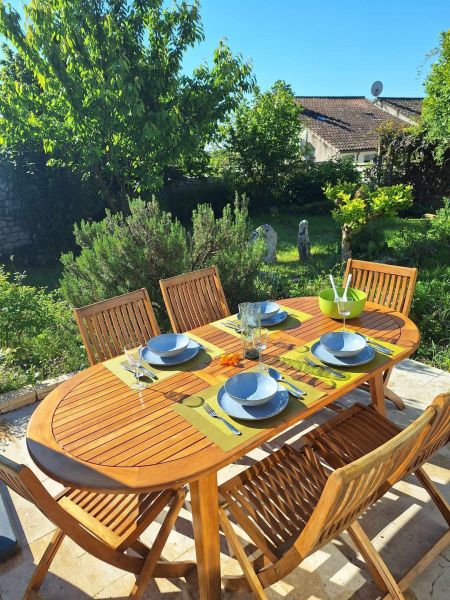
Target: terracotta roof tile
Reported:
[(409, 107), (345, 122)]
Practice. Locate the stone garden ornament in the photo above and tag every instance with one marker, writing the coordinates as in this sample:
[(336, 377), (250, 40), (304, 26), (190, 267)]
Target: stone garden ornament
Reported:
[(269, 235), (303, 243)]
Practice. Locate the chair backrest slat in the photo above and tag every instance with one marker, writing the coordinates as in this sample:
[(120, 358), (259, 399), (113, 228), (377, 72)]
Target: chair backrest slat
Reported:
[(439, 434), (353, 488), (194, 299), (107, 326), (388, 285)]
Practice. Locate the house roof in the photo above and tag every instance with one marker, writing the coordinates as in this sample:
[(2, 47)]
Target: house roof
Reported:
[(411, 108), (347, 123)]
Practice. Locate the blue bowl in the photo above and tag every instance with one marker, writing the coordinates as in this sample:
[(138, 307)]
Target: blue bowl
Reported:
[(343, 343), (168, 344), (268, 309), (251, 389)]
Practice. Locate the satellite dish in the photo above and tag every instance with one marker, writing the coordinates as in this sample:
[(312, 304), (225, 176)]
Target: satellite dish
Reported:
[(377, 88)]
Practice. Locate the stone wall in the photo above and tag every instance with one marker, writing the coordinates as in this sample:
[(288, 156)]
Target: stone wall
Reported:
[(13, 234)]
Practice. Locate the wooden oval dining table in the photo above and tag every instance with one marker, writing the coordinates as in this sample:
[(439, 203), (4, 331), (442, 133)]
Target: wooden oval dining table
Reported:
[(93, 432)]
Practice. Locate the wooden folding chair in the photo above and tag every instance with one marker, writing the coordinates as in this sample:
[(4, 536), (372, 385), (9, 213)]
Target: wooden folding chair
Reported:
[(194, 299), (107, 326), (290, 505), (105, 525), (361, 429), (389, 286)]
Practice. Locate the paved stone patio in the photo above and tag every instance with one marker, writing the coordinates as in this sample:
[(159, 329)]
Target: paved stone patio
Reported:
[(403, 525)]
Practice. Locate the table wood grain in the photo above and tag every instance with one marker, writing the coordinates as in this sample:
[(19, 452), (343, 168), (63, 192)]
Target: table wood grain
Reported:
[(94, 432)]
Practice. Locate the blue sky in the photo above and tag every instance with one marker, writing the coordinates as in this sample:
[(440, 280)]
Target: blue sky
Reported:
[(328, 47)]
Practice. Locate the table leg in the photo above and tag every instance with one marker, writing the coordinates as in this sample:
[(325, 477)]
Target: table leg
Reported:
[(205, 514), (377, 393)]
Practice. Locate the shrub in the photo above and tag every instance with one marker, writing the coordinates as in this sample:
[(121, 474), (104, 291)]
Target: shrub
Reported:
[(226, 242), (124, 253), (310, 178), (120, 254), (38, 335), (182, 197), (440, 225)]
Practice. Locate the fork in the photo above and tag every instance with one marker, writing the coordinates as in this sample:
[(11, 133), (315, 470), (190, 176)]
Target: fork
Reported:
[(212, 413)]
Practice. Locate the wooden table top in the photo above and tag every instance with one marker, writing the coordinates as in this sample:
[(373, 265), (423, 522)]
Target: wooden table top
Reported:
[(94, 432)]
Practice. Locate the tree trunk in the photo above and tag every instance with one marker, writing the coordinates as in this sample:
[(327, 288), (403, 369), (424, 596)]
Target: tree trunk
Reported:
[(346, 243)]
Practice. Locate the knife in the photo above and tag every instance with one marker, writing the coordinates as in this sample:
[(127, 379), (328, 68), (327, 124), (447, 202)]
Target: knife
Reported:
[(142, 370), (325, 367)]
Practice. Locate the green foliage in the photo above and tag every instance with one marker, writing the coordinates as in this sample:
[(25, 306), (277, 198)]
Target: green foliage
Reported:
[(310, 178), (436, 104), (226, 243), (100, 88), (181, 197), (124, 253), (440, 225), (407, 156), (356, 205), (261, 144), (38, 336)]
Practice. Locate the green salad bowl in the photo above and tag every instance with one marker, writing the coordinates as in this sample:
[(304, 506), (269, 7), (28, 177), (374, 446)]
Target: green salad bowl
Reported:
[(328, 306)]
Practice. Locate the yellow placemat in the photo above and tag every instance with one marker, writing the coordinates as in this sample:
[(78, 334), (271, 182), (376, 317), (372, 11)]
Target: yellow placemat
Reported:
[(204, 357), (192, 410), (295, 318), (295, 358)]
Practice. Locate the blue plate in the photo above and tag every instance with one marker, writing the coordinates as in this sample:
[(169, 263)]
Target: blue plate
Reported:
[(168, 344), (193, 348), (320, 352), (268, 309), (343, 343), (251, 388), (278, 318), (253, 413)]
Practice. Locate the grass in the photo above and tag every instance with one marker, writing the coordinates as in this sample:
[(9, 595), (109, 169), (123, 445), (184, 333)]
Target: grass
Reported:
[(406, 241)]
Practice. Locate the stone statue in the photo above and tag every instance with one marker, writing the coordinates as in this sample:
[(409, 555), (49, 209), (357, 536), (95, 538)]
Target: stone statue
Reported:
[(303, 243), (270, 237)]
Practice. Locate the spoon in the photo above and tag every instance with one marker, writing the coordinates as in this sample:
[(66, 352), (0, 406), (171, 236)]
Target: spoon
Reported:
[(344, 295), (279, 377), (333, 285)]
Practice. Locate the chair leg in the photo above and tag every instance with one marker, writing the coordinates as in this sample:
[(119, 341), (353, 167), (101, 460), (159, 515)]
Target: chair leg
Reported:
[(441, 503), (377, 567), (43, 566), (153, 555), (389, 394), (243, 559)]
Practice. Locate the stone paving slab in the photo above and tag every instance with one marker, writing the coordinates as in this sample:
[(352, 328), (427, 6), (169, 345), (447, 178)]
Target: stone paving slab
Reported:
[(402, 525)]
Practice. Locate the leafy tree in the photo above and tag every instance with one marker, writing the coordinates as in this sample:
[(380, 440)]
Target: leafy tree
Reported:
[(103, 92), (261, 143), (436, 104), (356, 205)]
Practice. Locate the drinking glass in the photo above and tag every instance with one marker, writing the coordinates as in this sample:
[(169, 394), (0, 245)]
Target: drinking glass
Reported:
[(130, 353), (260, 337), (344, 308), (250, 313)]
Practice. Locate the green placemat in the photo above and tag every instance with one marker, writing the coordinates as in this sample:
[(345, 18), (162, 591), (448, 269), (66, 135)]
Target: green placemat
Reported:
[(295, 318), (191, 408), (205, 356), (295, 358)]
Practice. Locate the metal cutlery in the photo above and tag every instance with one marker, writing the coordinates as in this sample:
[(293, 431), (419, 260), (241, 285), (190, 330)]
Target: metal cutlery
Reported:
[(279, 377), (325, 368), (142, 370), (378, 347), (232, 325), (212, 413)]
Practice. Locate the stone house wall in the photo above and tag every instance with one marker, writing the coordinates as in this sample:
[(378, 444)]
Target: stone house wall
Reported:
[(13, 233)]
